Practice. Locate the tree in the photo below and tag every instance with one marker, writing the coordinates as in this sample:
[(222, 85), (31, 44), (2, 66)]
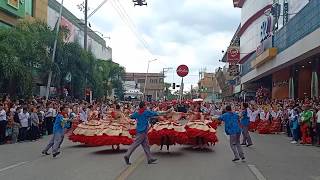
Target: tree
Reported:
[(23, 52), (25, 59)]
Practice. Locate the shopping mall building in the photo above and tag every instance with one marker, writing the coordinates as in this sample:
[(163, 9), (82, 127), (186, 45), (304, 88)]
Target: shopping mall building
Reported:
[(280, 47)]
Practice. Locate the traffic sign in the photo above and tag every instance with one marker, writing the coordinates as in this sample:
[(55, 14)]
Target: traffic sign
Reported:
[(182, 70)]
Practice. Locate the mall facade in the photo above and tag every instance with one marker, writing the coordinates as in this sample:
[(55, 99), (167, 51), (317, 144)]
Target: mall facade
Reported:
[(279, 47)]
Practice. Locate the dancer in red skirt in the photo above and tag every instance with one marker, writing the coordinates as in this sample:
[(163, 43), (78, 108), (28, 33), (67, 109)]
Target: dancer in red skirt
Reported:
[(200, 133), (101, 132), (168, 131)]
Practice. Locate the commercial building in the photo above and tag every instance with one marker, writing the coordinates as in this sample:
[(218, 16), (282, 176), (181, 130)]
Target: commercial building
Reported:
[(208, 86), (154, 84), (13, 10), (96, 44), (280, 47)]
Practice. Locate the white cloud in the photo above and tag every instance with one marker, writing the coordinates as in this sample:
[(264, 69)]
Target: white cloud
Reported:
[(191, 32)]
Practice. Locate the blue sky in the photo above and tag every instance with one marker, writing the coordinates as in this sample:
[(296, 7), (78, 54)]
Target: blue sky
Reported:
[(191, 32)]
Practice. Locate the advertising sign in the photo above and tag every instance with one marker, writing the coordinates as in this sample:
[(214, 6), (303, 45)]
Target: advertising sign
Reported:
[(182, 70), (14, 3), (233, 54)]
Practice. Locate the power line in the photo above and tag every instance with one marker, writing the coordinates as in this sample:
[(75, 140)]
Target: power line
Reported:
[(131, 21), (94, 11), (128, 22)]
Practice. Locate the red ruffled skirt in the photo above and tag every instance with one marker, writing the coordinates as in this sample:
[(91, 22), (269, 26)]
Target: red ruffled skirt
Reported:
[(253, 125), (132, 132), (194, 134), (214, 124), (264, 127), (101, 140), (169, 136), (275, 126)]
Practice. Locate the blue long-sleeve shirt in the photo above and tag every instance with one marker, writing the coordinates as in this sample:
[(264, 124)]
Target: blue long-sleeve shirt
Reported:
[(245, 120), (231, 123), (57, 127), (143, 120)]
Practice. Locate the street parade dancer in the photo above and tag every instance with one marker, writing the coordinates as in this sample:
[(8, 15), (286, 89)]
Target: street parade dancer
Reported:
[(100, 132), (233, 129), (168, 131), (58, 133), (142, 116)]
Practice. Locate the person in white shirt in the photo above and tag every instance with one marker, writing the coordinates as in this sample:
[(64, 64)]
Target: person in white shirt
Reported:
[(83, 114), (49, 118), (24, 121), (3, 124), (318, 124)]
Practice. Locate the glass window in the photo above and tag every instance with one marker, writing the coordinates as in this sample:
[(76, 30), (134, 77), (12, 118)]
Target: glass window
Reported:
[(29, 7), (140, 80)]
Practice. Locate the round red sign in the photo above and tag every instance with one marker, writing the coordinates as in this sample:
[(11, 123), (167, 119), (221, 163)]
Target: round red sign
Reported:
[(182, 70)]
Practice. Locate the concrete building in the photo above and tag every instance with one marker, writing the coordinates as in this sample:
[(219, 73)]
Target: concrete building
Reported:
[(12, 10), (154, 84), (208, 86), (280, 51), (96, 43)]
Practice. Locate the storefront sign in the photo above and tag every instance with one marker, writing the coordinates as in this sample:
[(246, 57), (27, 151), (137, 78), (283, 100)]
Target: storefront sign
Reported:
[(233, 54), (233, 69), (280, 83), (266, 29), (266, 56), (237, 89)]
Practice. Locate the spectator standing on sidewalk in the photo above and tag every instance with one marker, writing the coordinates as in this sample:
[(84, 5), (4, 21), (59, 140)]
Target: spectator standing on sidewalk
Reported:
[(24, 121), (294, 125), (3, 124), (232, 129), (48, 120), (16, 125), (34, 132), (318, 125)]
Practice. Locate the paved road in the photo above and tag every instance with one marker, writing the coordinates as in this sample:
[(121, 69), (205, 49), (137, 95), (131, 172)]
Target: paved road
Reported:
[(272, 158)]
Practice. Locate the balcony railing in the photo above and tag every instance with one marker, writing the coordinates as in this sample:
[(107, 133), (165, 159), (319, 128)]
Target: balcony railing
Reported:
[(302, 24)]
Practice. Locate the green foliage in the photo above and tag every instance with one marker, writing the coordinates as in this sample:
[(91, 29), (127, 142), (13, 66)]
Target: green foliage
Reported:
[(25, 58)]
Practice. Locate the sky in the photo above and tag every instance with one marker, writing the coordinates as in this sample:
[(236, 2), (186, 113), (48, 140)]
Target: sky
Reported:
[(190, 32)]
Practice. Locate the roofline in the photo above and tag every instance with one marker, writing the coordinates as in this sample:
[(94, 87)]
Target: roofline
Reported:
[(238, 3)]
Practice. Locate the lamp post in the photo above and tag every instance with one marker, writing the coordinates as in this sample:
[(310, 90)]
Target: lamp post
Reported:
[(145, 82)]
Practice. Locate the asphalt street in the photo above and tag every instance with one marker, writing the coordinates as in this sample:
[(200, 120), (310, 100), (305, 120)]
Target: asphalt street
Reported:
[(272, 158)]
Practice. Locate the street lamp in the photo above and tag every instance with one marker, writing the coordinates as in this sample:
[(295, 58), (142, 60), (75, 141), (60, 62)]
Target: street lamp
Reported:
[(145, 82)]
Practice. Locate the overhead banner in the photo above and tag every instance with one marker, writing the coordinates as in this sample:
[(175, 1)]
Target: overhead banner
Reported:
[(233, 54)]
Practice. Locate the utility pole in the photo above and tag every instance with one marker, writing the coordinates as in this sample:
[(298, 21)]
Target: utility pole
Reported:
[(54, 51), (164, 70), (85, 24)]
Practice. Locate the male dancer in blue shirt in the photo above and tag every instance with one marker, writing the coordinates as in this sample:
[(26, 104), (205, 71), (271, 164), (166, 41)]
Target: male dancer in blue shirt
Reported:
[(142, 116), (58, 134), (233, 129)]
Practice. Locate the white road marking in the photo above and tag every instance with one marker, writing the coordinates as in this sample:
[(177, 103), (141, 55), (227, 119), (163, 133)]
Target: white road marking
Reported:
[(13, 166), (256, 172)]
